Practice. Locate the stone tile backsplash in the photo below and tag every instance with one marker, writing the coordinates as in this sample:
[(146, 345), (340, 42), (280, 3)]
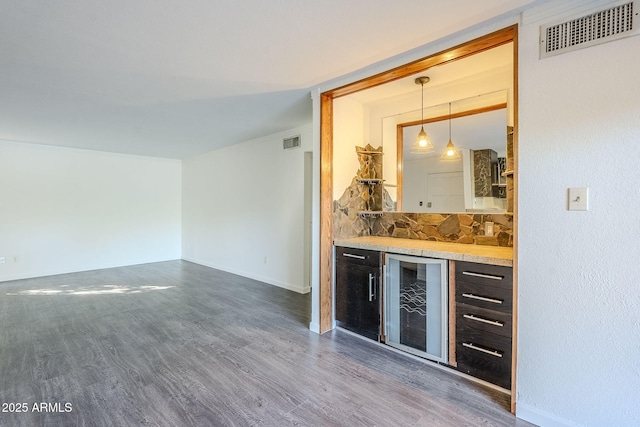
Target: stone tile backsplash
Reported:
[(453, 227)]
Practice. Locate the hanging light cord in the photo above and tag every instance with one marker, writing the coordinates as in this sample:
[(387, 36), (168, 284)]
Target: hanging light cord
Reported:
[(449, 121), (422, 106)]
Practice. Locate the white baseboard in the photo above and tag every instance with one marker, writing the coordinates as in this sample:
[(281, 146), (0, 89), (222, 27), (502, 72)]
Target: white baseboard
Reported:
[(314, 327), (541, 418), (295, 288)]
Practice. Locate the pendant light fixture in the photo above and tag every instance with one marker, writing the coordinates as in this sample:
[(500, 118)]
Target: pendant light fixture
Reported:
[(422, 145), (450, 153)]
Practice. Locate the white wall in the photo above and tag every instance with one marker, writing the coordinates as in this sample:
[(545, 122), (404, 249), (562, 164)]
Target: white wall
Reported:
[(579, 298), (65, 210), (314, 325), (243, 210), (416, 172), (348, 131)]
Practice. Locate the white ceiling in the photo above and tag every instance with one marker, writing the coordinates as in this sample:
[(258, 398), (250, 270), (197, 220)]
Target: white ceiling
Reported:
[(175, 78)]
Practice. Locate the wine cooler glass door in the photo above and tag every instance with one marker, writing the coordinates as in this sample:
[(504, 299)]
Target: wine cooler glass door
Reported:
[(416, 305)]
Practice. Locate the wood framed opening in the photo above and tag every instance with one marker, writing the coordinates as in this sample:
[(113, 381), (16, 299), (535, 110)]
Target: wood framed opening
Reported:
[(489, 41)]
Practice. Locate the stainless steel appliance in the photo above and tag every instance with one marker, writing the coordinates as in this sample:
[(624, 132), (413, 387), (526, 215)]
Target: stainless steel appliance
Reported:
[(415, 295)]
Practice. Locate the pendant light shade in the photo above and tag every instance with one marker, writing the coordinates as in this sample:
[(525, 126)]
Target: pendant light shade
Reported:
[(423, 144), (450, 153)]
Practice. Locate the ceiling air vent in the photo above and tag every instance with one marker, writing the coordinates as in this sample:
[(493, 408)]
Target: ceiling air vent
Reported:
[(292, 142), (599, 27)]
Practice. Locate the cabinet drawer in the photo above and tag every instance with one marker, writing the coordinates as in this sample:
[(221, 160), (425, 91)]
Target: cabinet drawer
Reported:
[(484, 274), (357, 256), (479, 295), (486, 356), (469, 317)]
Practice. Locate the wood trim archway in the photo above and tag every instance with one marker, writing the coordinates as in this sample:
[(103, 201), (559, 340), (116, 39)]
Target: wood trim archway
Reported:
[(489, 41)]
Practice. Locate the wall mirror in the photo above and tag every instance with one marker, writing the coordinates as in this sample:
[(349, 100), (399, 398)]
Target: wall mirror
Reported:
[(479, 89), (477, 126)]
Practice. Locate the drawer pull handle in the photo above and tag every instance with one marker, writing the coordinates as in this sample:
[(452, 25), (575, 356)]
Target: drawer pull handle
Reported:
[(480, 319), (472, 296), (372, 293), (353, 256), (484, 350), (484, 276)]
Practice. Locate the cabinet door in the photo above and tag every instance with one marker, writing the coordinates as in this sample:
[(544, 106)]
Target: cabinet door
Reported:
[(357, 306)]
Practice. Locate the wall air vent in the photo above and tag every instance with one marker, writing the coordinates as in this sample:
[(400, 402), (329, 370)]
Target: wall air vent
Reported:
[(292, 142), (589, 30)]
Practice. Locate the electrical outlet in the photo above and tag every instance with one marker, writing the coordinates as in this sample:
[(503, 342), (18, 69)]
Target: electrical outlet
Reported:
[(488, 228), (2, 260)]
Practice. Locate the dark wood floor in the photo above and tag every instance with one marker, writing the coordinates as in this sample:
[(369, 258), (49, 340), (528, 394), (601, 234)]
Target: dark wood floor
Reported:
[(178, 344)]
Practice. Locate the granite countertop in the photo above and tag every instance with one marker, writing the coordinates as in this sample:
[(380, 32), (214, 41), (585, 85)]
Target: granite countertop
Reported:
[(483, 254)]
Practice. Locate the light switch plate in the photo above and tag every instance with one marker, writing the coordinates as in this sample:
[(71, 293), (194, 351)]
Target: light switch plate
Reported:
[(579, 199)]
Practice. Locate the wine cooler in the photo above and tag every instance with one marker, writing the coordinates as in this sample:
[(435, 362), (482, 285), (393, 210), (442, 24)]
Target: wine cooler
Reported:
[(415, 295)]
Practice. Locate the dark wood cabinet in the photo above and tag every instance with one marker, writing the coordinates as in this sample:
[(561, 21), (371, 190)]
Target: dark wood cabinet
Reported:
[(482, 311), (357, 291), (484, 319)]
